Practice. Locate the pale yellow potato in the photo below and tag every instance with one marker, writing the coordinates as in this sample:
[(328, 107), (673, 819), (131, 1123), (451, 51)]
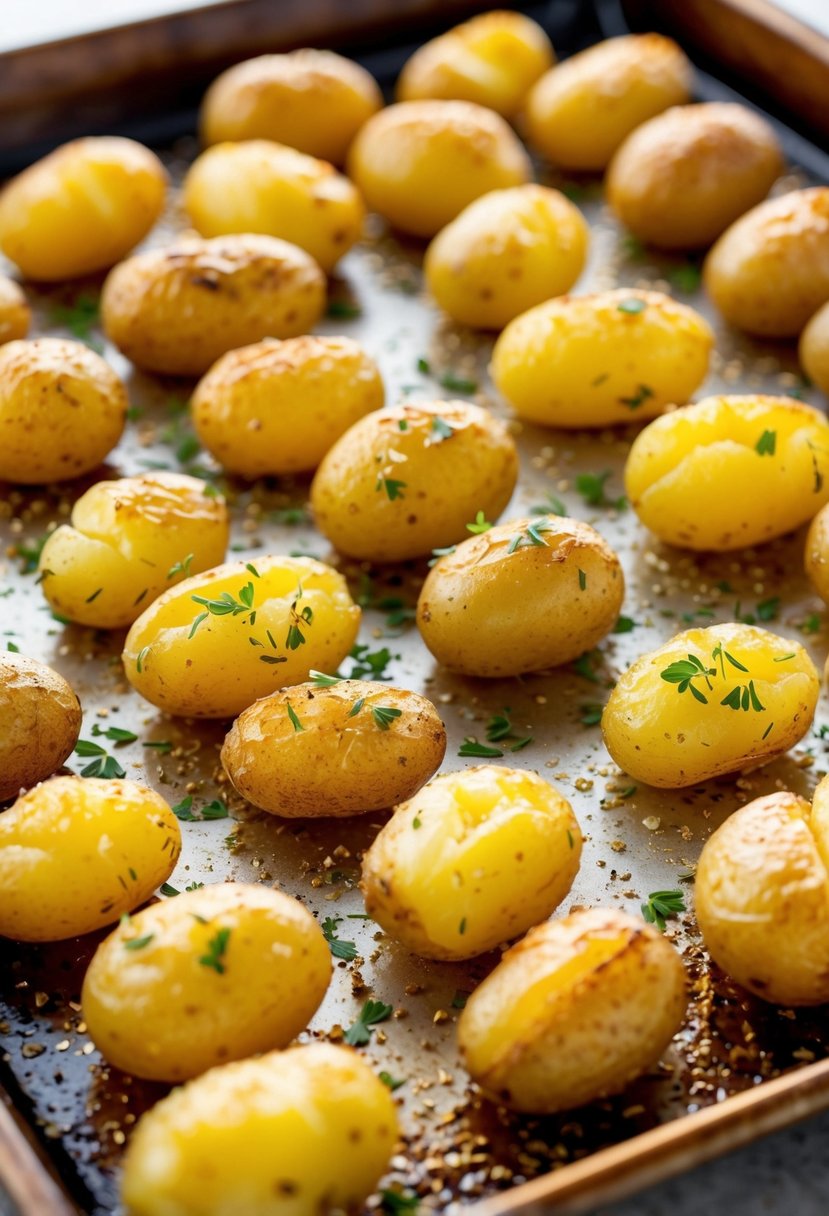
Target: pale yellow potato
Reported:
[(294, 1132), (813, 349), (62, 410), (730, 471), (312, 100), (261, 186), (751, 696), (265, 624), (599, 360), (177, 309), (205, 977), (40, 720), (471, 861), (574, 1012), (407, 480), (680, 179), (816, 555), (580, 111), (127, 542), (76, 853), (492, 59), (277, 407), (419, 163), (769, 272), (514, 600), (335, 749), (505, 252), (762, 897), (15, 314), (81, 208)]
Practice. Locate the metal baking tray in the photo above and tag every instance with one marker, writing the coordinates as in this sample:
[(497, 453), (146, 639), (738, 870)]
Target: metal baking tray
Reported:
[(738, 1068)]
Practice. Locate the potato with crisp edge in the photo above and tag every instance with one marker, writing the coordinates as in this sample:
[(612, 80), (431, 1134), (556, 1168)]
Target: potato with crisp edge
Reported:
[(40, 720), (15, 314), (574, 1012), (813, 349)]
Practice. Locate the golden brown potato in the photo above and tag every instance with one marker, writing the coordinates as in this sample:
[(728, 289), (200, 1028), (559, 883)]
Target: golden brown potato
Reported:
[(813, 349), (40, 720), (15, 314)]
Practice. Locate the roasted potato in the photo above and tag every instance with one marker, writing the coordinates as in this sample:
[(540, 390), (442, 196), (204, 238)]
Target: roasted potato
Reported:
[(15, 314), (816, 556), (40, 720), (813, 349)]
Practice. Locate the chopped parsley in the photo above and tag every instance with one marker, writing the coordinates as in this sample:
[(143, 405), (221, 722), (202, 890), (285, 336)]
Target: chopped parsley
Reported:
[(102, 765), (114, 733), (393, 488), (216, 951), (479, 524), (339, 949), (457, 384), (591, 486), (138, 943), (766, 444), (371, 1014)]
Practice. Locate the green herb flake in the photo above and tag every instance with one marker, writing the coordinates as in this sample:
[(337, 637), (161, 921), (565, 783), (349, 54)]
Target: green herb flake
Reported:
[(686, 279), (142, 655), (663, 906), (441, 430), (391, 1082), (472, 748), (479, 525), (115, 734), (182, 810), (460, 998), (642, 394), (182, 567), (591, 486), (103, 765), (372, 1013), (632, 305), (591, 715), (393, 488), (625, 624), (384, 715), (138, 943), (217, 809), (582, 580), (339, 949), (294, 720), (458, 384), (398, 1203), (343, 308), (769, 610), (216, 952), (766, 444)]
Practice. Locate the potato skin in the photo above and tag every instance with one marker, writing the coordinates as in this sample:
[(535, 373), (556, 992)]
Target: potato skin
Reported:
[(312, 100), (164, 1011), (816, 555), (176, 310), (580, 111), (395, 487), (504, 253), (661, 734), (769, 272), (696, 478), (762, 897), (292, 1132), (336, 762), (124, 542), (277, 407), (419, 163), (15, 314), (40, 720), (62, 410), (56, 883), (484, 611), (211, 669), (813, 349), (574, 1012), (598, 360), (471, 861)]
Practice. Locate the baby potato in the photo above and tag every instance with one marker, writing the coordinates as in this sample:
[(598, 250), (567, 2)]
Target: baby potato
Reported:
[(709, 702), (600, 360), (580, 111), (40, 720), (813, 349), (81, 208), (214, 644), (769, 272), (334, 747), (407, 480), (176, 310), (816, 556), (730, 471), (574, 1012), (277, 407), (15, 314), (260, 186), (492, 59), (128, 541), (419, 163), (474, 859), (762, 897), (76, 853), (62, 410), (312, 100), (530, 594), (505, 252), (294, 1132), (205, 977)]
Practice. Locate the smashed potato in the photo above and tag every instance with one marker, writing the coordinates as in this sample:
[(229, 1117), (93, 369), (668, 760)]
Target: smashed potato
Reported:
[(15, 314), (40, 720)]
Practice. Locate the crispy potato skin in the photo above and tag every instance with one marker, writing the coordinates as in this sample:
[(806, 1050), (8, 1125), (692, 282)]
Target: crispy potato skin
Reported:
[(813, 349), (312, 100), (574, 1012), (76, 853), (160, 1011), (505, 252), (290, 1133), (670, 739), (40, 720), (604, 359), (762, 897), (176, 310), (580, 111), (336, 762), (62, 410), (471, 861), (278, 407), (484, 611), (212, 670), (769, 272), (696, 478), (15, 314), (395, 487), (419, 163)]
